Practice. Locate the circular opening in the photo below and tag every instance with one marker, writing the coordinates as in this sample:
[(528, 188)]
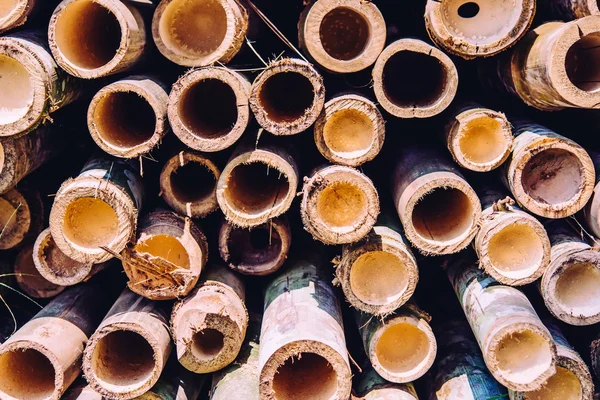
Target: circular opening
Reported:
[(378, 278), (578, 289), (167, 248), (563, 385), (87, 34), (29, 278), (260, 245), (344, 33), (483, 140), (402, 348), (207, 344), (342, 204), (8, 216), (349, 133), (582, 63), (60, 265), (414, 80), (443, 215), (553, 176), (274, 96), (90, 223), (468, 10), (26, 374), (309, 377), (17, 90), (516, 251), (193, 182), (7, 7), (523, 356)]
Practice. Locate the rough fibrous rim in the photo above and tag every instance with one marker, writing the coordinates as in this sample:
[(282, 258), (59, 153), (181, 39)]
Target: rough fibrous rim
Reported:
[(23, 218), (17, 16)]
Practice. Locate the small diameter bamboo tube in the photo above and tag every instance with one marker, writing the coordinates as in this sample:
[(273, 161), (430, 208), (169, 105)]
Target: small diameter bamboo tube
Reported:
[(339, 205), (548, 174), (81, 51), (413, 79), (96, 210), (371, 386), (30, 281), (210, 324), (591, 211), (350, 130), (572, 9), (302, 344), (517, 348), (208, 108), (21, 216), (43, 358), (14, 13), (479, 28), (167, 258), (278, 112), (126, 355), (342, 36), (181, 39), (261, 250)]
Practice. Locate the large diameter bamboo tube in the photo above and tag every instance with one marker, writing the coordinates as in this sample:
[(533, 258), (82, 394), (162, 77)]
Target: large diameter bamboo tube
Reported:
[(181, 39), (133, 333), (96, 210), (343, 36), (591, 211), (302, 344), (210, 324), (278, 112), (21, 216), (439, 211), (14, 13), (81, 51), (572, 9), (371, 386), (548, 174), (30, 281), (413, 79), (517, 348)]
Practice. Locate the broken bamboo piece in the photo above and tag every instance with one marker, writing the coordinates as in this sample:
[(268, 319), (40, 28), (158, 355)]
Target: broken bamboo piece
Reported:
[(21, 216), (30, 281), (569, 10), (14, 13), (591, 212), (371, 386)]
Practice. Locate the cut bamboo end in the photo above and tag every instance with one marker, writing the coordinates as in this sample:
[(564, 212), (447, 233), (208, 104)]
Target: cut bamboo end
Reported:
[(591, 212), (479, 139), (478, 28), (30, 281), (379, 273), (278, 112), (167, 258), (208, 108), (18, 212), (342, 37), (339, 205), (79, 50), (128, 118), (371, 386), (14, 13), (350, 131), (181, 39), (573, 9), (261, 250), (413, 79), (188, 184)]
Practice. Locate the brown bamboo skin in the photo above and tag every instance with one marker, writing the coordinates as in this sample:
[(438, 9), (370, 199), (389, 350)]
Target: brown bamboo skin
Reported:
[(167, 258), (573, 9), (350, 130), (261, 250), (342, 36), (208, 107), (209, 326), (21, 216), (591, 212), (278, 112), (371, 386), (14, 13), (79, 50), (413, 79), (134, 332), (180, 39), (30, 281), (480, 28)]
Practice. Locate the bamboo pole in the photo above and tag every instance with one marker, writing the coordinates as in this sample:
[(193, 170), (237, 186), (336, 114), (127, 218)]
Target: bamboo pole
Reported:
[(572, 9), (30, 281), (14, 13), (371, 386), (591, 212), (21, 216)]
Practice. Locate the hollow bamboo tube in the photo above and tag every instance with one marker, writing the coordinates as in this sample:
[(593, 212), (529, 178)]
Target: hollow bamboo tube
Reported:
[(210, 324), (350, 130), (182, 40), (371, 386), (33, 86), (517, 348), (512, 246), (30, 281), (14, 13), (126, 355), (591, 211), (302, 345), (548, 174), (81, 51), (273, 107), (339, 205), (478, 28), (342, 36), (98, 210), (128, 118), (413, 79), (167, 258), (439, 211), (261, 250), (21, 216), (572, 9)]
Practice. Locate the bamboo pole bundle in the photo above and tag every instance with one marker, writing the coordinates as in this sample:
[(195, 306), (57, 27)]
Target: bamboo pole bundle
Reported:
[(14, 13), (342, 36), (591, 211), (302, 344), (413, 79), (439, 211), (261, 250), (572, 9), (278, 112), (208, 108), (30, 281), (209, 326), (133, 333), (21, 216), (81, 51), (371, 386), (182, 39), (350, 130)]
